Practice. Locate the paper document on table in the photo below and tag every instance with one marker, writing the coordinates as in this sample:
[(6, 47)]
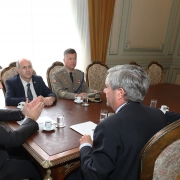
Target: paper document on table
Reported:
[(85, 128), (40, 120)]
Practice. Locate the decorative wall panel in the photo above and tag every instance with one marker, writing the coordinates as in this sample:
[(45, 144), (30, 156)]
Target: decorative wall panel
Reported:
[(116, 28), (147, 25), (175, 76)]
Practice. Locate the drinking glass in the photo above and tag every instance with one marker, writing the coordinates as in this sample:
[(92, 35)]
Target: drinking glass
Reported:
[(103, 114), (60, 120), (85, 100), (153, 103)]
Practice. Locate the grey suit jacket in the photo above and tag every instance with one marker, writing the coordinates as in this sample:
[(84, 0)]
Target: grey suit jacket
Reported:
[(63, 86)]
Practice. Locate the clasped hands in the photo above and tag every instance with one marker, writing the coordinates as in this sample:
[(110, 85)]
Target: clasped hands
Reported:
[(84, 94), (47, 101)]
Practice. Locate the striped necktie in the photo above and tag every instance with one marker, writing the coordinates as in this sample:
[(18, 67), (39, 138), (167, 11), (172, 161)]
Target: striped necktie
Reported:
[(29, 93)]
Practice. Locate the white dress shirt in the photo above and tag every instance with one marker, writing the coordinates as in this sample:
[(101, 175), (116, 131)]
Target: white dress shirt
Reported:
[(31, 87)]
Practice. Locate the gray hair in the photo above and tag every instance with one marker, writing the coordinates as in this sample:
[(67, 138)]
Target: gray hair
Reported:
[(131, 78), (69, 51), (17, 62)]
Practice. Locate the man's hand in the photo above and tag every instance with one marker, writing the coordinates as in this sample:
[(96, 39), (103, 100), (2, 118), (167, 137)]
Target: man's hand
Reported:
[(81, 95), (49, 100), (41, 99), (86, 139), (31, 105), (34, 111)]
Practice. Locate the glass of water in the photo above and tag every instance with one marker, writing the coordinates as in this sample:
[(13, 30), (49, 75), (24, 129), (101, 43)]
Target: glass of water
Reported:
[(60, 121), (153, 103), (85, 100), (103, 114)]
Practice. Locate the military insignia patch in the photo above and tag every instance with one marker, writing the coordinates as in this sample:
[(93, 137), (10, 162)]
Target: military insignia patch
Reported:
[(62, 77), (54, 80), (78, 81), (62, 94)]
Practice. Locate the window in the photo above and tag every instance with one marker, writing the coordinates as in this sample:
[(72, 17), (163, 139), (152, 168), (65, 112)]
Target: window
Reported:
[(41, 30)]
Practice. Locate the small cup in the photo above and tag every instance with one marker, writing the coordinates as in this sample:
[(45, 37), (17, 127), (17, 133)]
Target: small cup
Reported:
[(85, 100), (48, 124), (153, 103), (78, 99), (21, 105), (60, 121), (164, 108), (103, 114)]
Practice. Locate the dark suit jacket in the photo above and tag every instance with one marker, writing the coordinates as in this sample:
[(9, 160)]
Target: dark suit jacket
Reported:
[(13, 138), (15, 90), (171, 116), (118, 141)]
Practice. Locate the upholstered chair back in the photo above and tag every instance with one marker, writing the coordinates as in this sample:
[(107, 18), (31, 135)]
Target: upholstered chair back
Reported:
[(55, 67), (155, 72), (96, 75), (160, 158), (7, 73), (134, 63)]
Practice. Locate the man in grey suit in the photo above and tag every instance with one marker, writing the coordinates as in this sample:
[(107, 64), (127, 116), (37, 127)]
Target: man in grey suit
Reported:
[(69, 83)]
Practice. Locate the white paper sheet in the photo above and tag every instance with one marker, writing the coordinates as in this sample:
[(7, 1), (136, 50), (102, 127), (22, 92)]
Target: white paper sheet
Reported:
[(85, 128)]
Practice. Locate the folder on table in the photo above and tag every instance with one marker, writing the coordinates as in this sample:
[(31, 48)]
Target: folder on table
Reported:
[(85, 128)]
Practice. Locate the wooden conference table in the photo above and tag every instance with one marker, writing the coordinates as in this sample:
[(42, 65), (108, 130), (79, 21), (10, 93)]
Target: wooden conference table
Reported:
[(57, 152), (165, 94)]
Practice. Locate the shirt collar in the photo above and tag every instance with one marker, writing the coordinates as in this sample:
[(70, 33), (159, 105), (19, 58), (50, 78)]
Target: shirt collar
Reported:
[(120, 107), (68, 71), (24, 82)]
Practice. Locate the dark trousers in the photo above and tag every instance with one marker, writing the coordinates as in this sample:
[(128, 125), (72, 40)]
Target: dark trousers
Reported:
[(20, 166), (21, 169)]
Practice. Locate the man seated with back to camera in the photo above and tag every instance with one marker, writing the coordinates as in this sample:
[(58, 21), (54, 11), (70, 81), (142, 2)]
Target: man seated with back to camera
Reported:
[(25, 84), (18, 168), (118, 140), (69, 83)]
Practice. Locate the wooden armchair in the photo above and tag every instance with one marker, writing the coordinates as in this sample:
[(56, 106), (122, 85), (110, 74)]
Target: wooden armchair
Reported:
[(134, 63), (96, 75), (55, 67), (160, 158), (155, 71), (7, 73)]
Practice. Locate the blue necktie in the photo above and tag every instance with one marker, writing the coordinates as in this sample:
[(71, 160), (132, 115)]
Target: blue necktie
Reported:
[(29, 93)]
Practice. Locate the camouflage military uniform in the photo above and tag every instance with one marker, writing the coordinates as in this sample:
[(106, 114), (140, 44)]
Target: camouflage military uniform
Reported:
[(63, 86)]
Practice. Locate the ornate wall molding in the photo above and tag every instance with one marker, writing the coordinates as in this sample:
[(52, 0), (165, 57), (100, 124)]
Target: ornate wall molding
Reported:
[(178, 51), (165, 75), (175, 78), (174, 33), (138, 41), (116, 28)]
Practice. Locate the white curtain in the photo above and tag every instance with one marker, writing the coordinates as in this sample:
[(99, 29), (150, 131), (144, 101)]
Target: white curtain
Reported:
[(41, 30)]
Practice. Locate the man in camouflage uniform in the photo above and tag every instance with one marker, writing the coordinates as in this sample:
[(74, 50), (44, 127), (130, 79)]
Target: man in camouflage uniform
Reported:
[(69, 83)]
